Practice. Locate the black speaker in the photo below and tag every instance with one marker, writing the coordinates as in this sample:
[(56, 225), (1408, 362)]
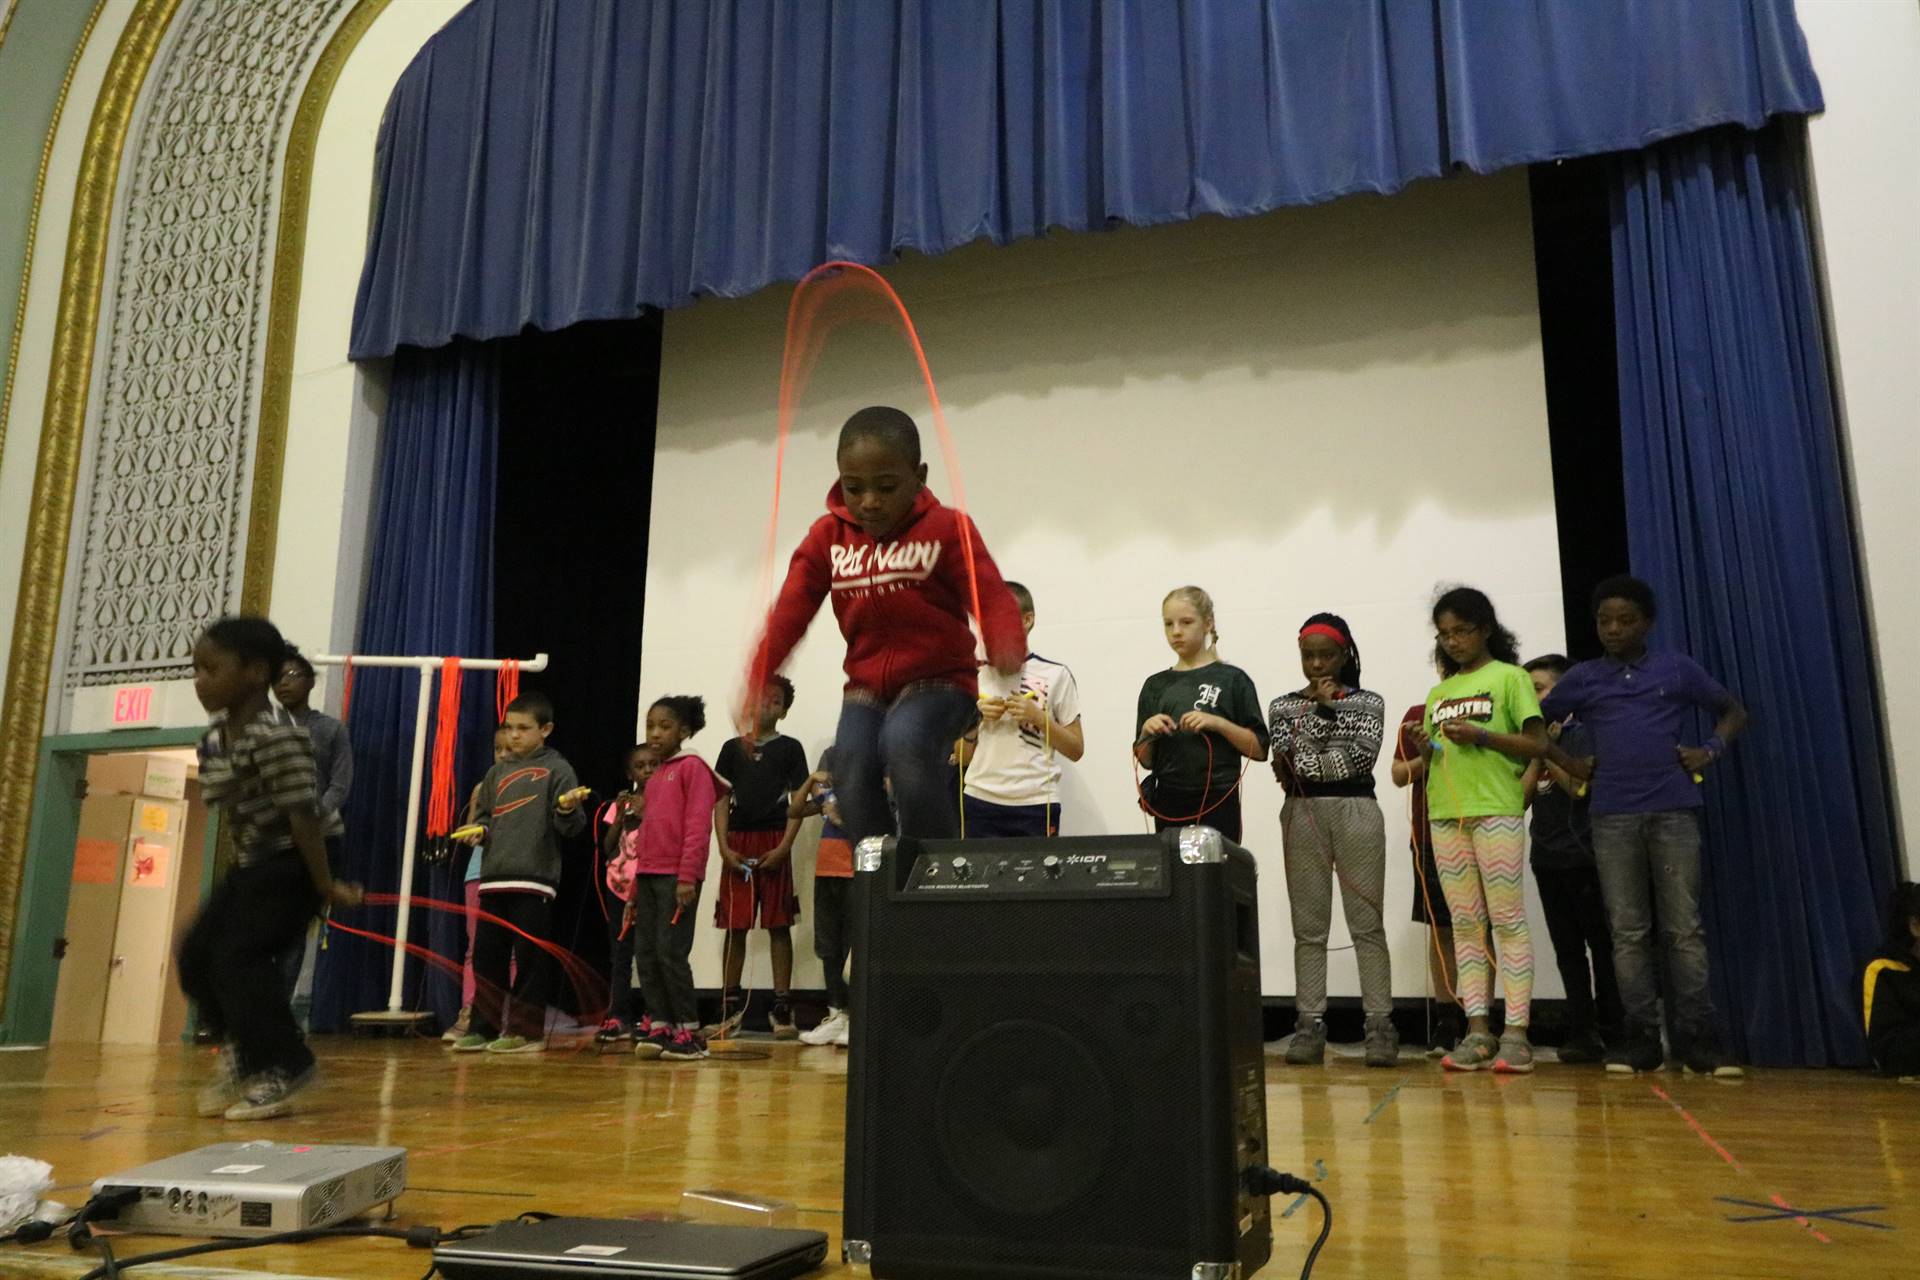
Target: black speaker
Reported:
[(1056, 1064)]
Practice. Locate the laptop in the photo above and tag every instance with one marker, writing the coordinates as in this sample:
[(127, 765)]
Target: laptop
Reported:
[(628, 1249)]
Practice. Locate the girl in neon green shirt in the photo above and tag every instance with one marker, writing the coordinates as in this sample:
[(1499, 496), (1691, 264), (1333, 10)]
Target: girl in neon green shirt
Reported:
[(1481, 730)]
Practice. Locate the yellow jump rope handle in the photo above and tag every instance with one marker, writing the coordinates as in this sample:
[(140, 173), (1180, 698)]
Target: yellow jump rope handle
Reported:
[(466, 832), (1046, 729)]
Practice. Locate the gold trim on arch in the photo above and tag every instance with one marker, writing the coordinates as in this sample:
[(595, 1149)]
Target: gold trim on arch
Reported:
[(43, 564), (33, 213), (283, 313), (44, 560)]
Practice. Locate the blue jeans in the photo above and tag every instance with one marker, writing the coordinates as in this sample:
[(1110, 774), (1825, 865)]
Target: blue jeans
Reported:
[(1649, 865), (910, 743), (989, 821)]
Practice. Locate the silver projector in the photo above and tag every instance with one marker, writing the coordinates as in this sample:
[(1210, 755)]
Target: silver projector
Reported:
[(257, 1188)]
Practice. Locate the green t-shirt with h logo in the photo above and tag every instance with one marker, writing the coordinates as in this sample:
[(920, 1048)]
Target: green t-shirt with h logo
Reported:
[(1182, 759), (1478, 782)]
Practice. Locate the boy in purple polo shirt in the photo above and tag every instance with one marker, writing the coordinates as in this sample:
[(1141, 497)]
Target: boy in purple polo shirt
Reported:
[(1646, 818)]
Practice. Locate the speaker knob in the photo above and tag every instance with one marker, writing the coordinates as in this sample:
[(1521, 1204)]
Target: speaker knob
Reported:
[(1052, 865), (962, 870)]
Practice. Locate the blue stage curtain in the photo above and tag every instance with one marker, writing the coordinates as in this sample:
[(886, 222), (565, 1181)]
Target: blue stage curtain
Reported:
[(429, 591), (545, 162), (1737, 514)]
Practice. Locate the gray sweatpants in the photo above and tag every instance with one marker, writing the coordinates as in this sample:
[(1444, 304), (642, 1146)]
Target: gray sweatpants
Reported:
[(1321, 834)]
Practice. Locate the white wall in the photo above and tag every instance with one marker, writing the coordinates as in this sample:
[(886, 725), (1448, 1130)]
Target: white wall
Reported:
[(1866, 170), (335, 408), (21, 446), (333, 416), (1329, 408)]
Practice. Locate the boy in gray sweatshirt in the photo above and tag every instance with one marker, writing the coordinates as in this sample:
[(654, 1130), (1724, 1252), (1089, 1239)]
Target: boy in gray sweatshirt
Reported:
[(527, 803)]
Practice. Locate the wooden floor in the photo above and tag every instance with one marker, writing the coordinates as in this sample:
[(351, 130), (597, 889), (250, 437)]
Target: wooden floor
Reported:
[(1566, 1173)]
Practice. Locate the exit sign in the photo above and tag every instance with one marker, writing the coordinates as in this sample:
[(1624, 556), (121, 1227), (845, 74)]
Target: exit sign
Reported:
[(133, 705)]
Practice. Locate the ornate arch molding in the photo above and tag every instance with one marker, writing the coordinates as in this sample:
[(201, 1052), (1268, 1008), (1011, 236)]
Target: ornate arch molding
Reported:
[(194, 391)]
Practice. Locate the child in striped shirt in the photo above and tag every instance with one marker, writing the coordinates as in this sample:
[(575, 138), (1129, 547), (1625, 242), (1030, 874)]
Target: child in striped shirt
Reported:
[(259, 773)]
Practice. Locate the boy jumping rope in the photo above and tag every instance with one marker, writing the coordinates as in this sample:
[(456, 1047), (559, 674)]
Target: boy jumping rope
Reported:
[(890, 554)]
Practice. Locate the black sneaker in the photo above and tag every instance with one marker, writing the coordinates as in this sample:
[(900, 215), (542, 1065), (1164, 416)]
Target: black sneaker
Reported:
[(1636, 1054), (782, 1021), (612, 1031), (652, 1039), (686, 1046), (1582, 1048), (1700, 1056)]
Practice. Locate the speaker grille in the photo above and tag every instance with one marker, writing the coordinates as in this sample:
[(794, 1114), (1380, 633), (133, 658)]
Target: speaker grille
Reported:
[(1046, 1100), (1043, 1087)]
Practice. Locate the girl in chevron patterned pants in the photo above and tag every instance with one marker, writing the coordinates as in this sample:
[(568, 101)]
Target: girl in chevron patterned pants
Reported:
[(1482, 725), (1482, 862)]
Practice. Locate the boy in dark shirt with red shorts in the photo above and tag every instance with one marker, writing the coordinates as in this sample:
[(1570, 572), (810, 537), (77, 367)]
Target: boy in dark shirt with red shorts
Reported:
[(758, 884)]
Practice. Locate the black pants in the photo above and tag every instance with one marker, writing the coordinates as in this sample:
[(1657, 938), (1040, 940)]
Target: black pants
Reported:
[(832, 895), (661, 948), (1577, 923), (509, 971), (230, 962), (1178, 802), (1899, 1053), (621, 1000)]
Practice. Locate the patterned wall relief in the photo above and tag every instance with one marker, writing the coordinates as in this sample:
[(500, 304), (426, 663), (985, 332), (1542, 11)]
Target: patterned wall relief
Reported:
[(163, 527)]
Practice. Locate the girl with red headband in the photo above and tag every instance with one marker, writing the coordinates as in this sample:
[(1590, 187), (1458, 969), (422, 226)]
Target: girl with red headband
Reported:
[(1194, 724), (1326, 740)]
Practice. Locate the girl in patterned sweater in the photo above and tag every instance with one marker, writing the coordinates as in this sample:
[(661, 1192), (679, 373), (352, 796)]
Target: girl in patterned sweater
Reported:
[(1326, 740)]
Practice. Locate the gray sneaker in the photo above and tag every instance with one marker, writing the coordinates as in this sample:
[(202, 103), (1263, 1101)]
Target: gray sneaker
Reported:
[(270, 1094), (1308, 1048), (1383, 1042), (224, 1089), (1475, 1052), (1516, 1054)]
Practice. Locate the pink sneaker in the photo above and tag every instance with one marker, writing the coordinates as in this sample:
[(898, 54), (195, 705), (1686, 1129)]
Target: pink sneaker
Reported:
[(652, 1039), (686, 1046)]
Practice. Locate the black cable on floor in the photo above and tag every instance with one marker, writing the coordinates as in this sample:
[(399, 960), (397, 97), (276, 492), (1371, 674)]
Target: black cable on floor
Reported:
[(1265, 1180), (1326, 1229), (111, 1267)]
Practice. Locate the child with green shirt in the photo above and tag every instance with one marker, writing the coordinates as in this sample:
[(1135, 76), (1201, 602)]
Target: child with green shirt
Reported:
[(1482, 722), (1194, 723)]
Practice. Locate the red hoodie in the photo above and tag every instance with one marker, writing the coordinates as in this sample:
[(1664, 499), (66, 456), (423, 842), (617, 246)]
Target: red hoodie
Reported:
[(902, 603)]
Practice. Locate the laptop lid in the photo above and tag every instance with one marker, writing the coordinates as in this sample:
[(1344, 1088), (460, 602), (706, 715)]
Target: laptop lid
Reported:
[(628, 1249)]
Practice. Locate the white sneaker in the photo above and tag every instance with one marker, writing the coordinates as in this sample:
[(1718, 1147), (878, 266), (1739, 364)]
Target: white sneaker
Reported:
[(845, 1033), (829, 1029)]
